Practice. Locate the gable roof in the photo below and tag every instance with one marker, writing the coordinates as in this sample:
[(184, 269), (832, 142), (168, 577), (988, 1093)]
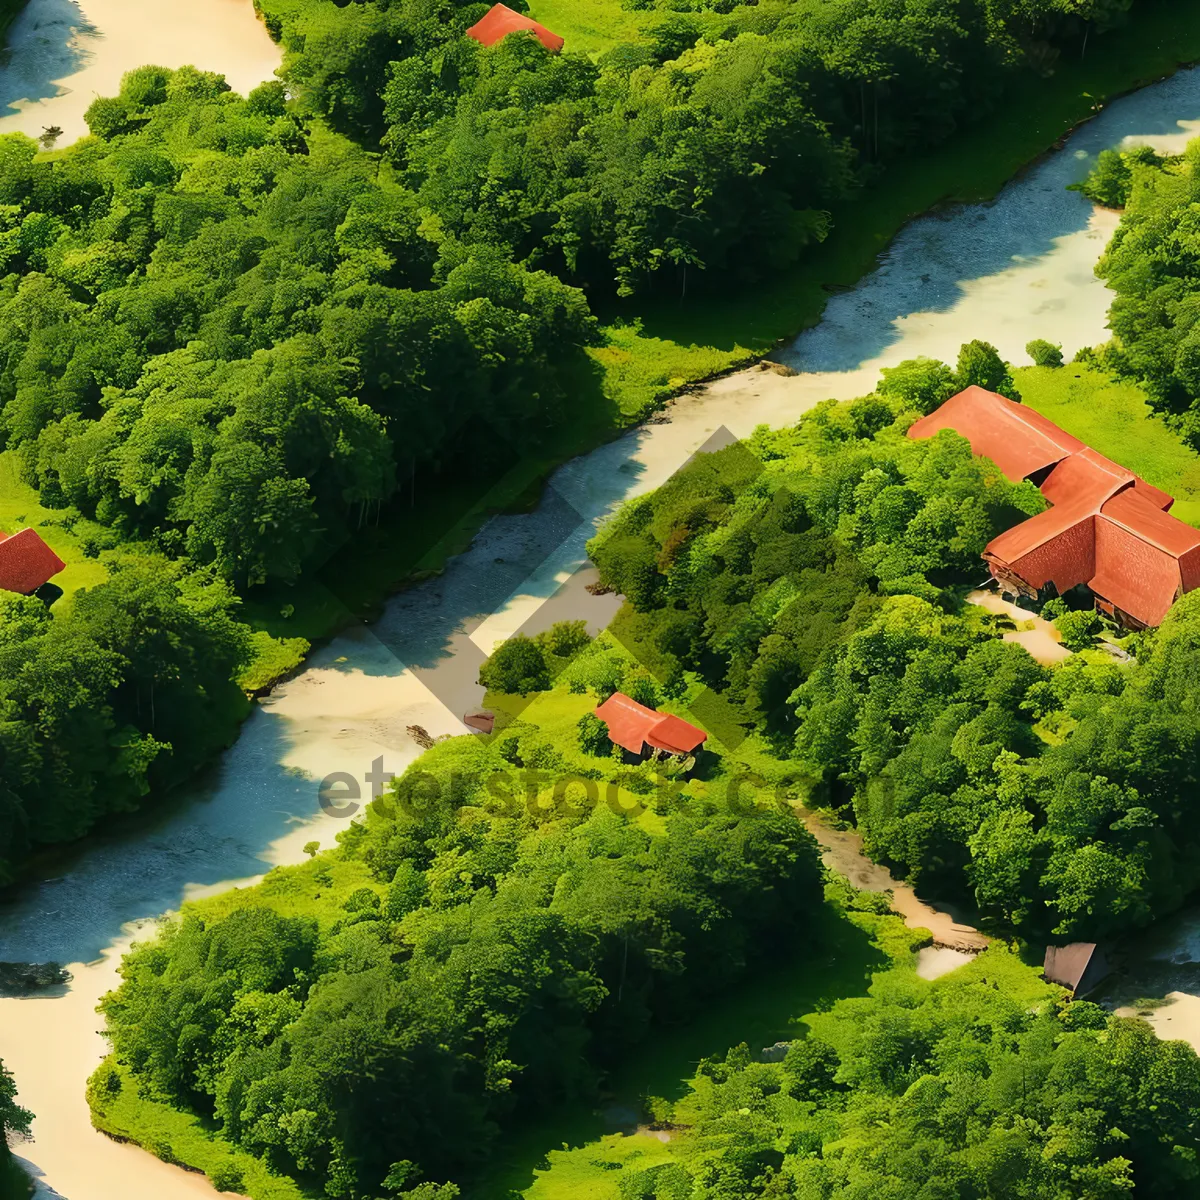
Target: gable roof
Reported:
[(633, 726), (1017, 439), (500, 20), (1106, 527), (26, 562)]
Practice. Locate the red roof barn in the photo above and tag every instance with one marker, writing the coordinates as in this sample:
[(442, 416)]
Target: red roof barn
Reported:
[(26, 562), (1106, 528), (500, 20), (642, 731)]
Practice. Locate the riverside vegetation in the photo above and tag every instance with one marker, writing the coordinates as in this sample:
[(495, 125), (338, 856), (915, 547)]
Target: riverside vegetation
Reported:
[(14, 1122), (410, 253), (487, 944)]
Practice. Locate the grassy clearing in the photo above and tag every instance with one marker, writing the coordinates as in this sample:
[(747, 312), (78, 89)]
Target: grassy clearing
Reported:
[(20, 507), (590, 1171), (1114, 418), (119, 1110), (594, 26)]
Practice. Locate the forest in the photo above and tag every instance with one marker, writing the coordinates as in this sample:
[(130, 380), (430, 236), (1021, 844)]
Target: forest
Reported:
[(986, 1082), (822, 600), (475, 954), (804, 592), (1151, 266), (236, 332)]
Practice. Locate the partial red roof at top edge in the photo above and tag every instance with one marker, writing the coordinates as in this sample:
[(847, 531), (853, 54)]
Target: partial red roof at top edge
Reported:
[(1017, 439), (500, 20), (26, 562), (633, 727)]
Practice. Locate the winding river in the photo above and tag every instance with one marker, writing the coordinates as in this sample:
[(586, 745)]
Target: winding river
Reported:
[(1009, 271)]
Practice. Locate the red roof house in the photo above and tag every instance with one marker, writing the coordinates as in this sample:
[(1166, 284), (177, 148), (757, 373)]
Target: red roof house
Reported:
[(642, 731), (26, 562), (500, 20), (1106, 528)]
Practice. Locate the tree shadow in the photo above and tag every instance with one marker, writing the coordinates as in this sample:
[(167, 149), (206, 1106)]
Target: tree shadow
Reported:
[(764, 1007)]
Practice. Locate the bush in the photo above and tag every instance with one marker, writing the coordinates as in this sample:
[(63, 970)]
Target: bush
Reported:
[(1078, 629), (516, 667), (1044, 354), (921, 383), (593, 735), (1053, 609), (228, 1177)]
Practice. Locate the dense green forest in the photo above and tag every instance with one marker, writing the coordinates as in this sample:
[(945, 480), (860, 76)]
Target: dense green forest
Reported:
[(803, 591), (820, 597), (232, 331), (983, 1083), (1151, 264), (476, 953)]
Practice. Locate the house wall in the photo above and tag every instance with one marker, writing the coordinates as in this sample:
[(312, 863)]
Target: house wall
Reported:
[(1065, 561), (1153, 573)]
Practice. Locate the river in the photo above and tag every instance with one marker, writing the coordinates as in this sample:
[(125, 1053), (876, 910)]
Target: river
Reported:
[(1009, 271)]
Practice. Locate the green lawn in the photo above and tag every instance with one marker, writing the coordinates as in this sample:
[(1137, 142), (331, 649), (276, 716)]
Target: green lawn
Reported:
[(1114, 418), (20, 507), (590, 1170), (593, 26)]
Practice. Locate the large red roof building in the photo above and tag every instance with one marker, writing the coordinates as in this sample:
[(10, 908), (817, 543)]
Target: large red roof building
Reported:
[(1105, 528), (500, 20), (643, 732), (26, 562)]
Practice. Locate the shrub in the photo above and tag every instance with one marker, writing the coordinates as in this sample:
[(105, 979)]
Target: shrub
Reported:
[(1044, 353), (516, 667), (1078, 629), (227, 1177), (593, 735)]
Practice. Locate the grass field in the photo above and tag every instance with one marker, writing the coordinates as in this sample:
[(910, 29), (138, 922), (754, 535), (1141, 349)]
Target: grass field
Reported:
[(1114, 418), (20, 507), (588, 1171), (593, 26)]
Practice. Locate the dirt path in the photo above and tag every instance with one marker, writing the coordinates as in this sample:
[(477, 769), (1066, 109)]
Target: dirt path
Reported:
[(841, 851)]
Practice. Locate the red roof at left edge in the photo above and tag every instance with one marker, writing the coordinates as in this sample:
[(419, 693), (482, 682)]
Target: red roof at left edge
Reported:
[(26, 562)]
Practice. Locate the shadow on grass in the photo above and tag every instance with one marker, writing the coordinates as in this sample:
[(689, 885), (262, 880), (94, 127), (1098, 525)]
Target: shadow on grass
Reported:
[(762, 1009)]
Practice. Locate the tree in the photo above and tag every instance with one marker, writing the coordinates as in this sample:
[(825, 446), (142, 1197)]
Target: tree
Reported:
[(980, 365), (14, 1120), (516, 667), (593, 735), (1044, 354)]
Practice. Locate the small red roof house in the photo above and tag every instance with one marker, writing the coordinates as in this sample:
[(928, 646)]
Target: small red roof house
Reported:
[(1105, 527), (26, 562), (643, 732), (500, 20)]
